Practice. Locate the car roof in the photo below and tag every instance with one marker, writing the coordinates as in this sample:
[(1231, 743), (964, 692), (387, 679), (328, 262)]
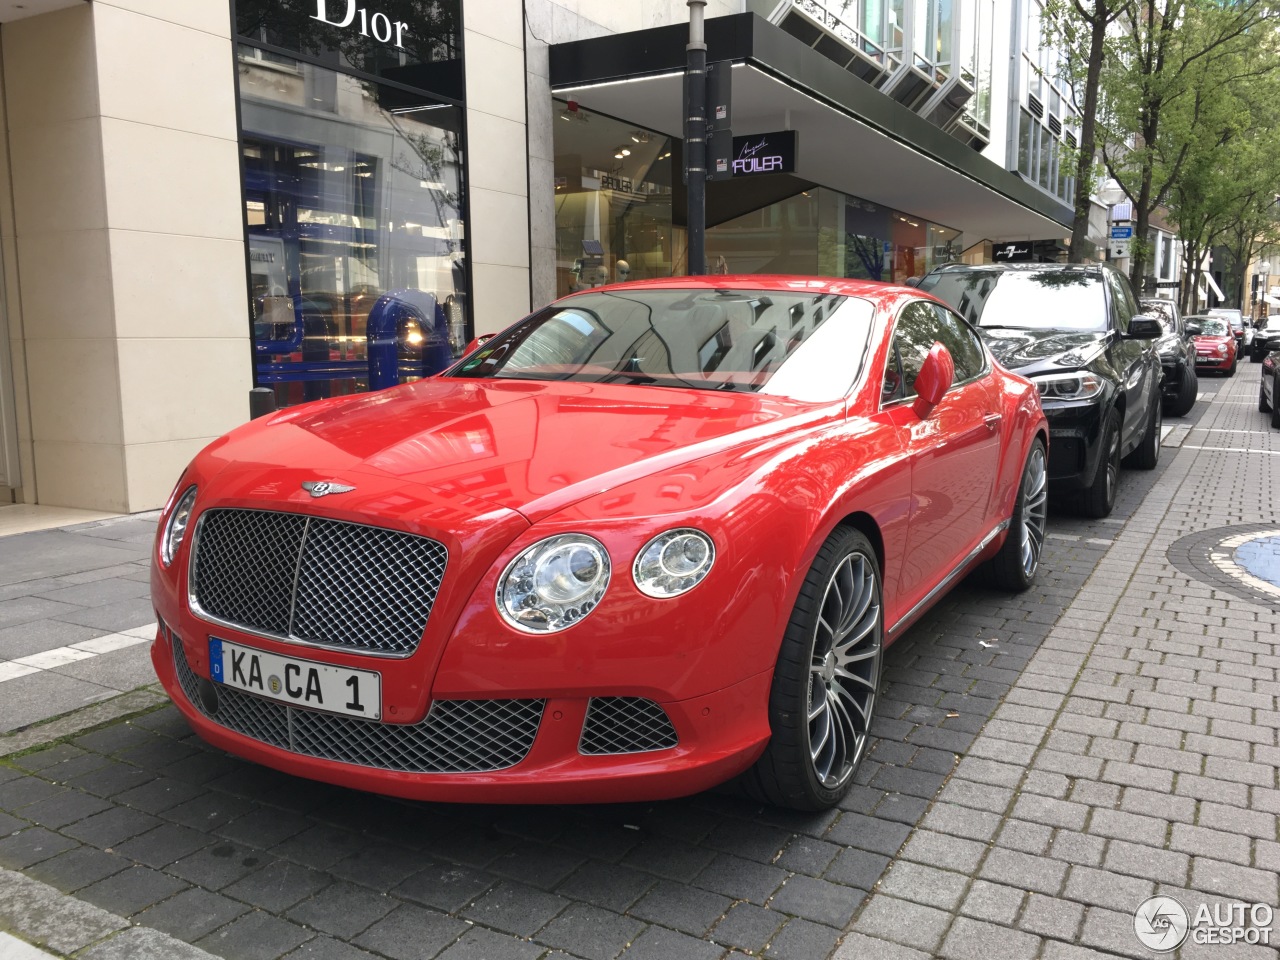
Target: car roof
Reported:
[(1020, 267), (781, 283)]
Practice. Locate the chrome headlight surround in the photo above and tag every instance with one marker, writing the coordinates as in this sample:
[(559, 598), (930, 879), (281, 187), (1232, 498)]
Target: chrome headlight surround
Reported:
[(673, 563), (553, 584), (175, 528), (1069, 386)]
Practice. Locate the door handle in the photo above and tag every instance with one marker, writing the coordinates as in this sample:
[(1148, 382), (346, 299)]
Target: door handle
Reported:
[(992, 420)]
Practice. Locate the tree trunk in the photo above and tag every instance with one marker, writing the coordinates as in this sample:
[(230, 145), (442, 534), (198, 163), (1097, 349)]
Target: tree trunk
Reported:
[(1088, 133)]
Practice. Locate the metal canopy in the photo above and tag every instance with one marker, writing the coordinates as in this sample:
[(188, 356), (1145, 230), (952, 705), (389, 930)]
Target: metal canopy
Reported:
[(852, 138)]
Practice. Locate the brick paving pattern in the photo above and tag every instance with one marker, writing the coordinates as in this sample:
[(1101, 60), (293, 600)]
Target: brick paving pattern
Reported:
[(1043, 763)]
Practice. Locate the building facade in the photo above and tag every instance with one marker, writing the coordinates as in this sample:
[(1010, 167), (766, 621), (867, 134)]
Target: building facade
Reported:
[(323, 197)]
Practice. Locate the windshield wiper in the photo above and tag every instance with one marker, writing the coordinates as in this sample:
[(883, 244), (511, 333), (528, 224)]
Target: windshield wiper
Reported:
[(1004, 326)]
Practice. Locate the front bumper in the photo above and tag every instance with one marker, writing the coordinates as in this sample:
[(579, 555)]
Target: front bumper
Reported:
[(1075, 429), (1213, 362), (484, 750)]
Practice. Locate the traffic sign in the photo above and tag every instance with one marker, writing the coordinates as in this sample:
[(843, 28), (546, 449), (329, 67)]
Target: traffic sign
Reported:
[(1122, 233)]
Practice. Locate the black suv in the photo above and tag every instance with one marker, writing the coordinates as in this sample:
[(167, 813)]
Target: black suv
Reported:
[(1179, 384), (1078, 333), (1266, 338)]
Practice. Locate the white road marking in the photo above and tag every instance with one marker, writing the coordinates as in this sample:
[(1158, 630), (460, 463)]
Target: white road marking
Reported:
[(75, 652), (1270, 453)]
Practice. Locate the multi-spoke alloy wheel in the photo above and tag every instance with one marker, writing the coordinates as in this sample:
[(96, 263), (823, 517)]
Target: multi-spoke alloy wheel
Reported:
[(824, 686), (1035, 510), (844, 670), (1015, 566)]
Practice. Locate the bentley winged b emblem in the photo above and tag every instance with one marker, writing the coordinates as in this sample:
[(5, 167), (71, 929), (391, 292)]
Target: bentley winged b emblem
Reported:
[(322, 488)]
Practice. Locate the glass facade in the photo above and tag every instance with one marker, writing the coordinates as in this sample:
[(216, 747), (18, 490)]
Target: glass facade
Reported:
[(618, 218), (353, 196), (1045, 110)]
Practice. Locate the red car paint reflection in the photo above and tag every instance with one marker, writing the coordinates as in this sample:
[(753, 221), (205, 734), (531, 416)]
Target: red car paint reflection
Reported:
[(650, 538)]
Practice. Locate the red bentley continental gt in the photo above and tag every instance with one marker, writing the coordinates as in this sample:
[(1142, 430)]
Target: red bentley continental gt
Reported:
[(647, 539)]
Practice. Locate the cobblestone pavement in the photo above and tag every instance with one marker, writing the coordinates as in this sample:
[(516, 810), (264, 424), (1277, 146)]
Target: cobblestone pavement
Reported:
[(1044, 762)]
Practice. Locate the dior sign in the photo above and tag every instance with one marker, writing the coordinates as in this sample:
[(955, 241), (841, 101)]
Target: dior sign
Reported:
[(378, 25)]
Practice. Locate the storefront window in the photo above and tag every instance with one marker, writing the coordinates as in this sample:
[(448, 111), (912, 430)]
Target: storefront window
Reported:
[(613, 186), (353, 202)]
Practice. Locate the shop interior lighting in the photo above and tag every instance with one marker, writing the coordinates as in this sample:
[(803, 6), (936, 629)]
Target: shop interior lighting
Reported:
[(640, 136), (622, 152)]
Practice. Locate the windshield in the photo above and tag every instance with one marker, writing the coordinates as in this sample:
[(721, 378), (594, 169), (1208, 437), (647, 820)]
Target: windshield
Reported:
[(1213, 327), (1031, 300), (1233, 316), (1163, 311), (803, 345)]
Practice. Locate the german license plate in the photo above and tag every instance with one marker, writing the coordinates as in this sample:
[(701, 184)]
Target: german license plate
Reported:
[(302, 683)]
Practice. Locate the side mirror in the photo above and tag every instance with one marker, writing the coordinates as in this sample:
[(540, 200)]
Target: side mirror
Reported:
[(933, 381), (1144, 328), (477, 343)]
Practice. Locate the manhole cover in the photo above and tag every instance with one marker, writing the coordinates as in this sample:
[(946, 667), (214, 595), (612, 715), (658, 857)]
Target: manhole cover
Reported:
[(1242, 560)]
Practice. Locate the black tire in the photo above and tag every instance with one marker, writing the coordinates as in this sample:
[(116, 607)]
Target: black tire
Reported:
[(1234, 363), (1263, 406), (1014, 567), (1255, 356), (1099, 497), (1188, 387), (1275, 406), (1147, 454), (844, 586)]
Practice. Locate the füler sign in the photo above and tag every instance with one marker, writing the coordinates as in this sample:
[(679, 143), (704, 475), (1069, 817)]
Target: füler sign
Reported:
[(379, 25), (764, 153)]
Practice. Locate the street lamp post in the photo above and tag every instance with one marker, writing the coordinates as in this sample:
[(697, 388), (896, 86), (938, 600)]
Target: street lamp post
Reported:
[(695, 138)]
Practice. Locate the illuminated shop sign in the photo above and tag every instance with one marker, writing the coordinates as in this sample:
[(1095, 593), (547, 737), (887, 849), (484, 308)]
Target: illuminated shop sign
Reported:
[(764, 153), (377, 25)]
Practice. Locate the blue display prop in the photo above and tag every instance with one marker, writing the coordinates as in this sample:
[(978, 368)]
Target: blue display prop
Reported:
[(294, 372), (393, 311)]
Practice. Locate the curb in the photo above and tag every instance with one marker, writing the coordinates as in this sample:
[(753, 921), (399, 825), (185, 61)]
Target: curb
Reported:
[(43, 922), (106, 711)]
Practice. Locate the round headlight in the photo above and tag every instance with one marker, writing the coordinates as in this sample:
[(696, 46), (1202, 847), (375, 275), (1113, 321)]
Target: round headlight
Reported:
[(554, 583), (176, 528), (673, 562)]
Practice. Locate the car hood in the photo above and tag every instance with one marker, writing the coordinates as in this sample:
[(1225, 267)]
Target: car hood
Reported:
[(1048, 349), (529, 446)]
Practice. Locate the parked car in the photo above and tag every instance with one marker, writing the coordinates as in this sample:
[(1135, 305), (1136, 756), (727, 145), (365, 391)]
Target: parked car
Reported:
[(1215, 343), (1079, 334), (1241, 327), (1178, 383), (1268, 395), (647, 539), (1266, 337)]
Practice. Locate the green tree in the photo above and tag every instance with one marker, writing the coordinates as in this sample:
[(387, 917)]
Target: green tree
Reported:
[(1068, 23), (1154, 96)]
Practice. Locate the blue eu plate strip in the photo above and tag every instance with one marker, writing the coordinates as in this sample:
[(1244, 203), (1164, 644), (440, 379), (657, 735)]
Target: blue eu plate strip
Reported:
[(215, 659)]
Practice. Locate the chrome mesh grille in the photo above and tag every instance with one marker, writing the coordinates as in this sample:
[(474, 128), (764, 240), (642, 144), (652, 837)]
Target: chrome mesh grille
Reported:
[(324, 581), (456, 736), (626, 725)]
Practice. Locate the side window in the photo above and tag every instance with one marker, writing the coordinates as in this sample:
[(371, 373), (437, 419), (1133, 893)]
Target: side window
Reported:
[(965, 347), (917, 331), (1123, 301)]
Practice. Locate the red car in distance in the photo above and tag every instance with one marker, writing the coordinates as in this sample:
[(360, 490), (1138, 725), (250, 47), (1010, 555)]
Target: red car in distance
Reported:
[(1215, 343), (649, 538)]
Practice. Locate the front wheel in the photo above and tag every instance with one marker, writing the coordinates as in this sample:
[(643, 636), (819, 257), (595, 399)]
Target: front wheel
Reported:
[(825, 683), (1097, 499), (1014, 567), (1275, 401), (1263, 405)]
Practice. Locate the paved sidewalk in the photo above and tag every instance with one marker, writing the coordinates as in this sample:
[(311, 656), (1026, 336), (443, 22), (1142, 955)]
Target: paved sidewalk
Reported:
[(1043, 763), (75, 617), (1136, 754)]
